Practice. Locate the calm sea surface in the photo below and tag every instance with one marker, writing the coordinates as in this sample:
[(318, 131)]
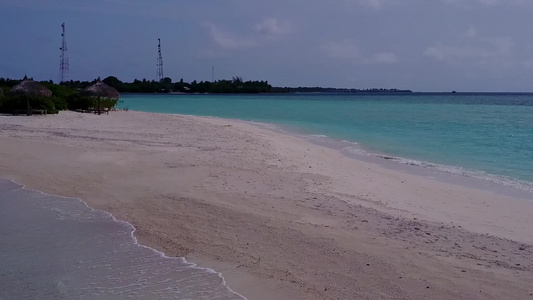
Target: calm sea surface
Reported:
[(58, 248), (486, 136)]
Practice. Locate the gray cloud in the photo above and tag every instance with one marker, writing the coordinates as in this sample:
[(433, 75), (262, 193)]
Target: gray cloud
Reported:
[(345, 50), (272, 26), (473, 49), (414, 44), (229, 40), (528, 64), (382, 58), (483, 49), (471, 32), (261, 32), (488, 2)]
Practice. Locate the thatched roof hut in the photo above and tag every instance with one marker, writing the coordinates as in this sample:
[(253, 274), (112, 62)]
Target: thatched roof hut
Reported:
[(28, 87), (101, 90)]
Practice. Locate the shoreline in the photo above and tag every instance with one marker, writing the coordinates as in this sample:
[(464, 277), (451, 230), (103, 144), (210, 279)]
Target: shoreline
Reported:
[(451, 174), (257, 205), (496, 173), (130, 234)]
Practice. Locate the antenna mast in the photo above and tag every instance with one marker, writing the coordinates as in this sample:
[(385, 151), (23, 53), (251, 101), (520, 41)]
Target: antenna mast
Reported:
[(63, 63), (159, 61)]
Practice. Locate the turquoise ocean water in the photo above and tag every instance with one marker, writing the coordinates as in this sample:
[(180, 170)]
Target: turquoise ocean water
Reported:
[(485, 136)]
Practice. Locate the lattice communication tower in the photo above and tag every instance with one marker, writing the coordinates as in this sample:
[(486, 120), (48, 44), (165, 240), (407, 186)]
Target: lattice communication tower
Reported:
[(63, 63), (159, 61)]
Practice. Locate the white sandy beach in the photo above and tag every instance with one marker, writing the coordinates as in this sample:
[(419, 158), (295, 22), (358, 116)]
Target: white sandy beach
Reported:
[(280, 217)]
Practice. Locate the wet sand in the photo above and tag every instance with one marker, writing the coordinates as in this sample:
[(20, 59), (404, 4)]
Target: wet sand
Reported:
[(54, 247), (280, 217)]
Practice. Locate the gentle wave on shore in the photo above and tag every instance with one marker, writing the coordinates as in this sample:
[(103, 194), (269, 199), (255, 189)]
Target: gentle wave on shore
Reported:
[(355, 148), (480, 136), (446, 173), (58, 248)]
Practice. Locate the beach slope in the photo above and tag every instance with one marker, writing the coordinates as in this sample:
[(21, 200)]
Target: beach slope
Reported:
[(280, 217)]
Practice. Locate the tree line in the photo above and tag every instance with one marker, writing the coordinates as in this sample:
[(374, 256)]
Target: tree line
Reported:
[(233, 86), (64, 96)]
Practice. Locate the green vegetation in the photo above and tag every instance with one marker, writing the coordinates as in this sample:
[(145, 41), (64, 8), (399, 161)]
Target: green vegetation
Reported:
[(236, 85), (65, 96), (10, 103), (336, 90)]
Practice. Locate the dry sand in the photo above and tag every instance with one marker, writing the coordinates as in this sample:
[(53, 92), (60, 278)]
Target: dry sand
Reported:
[(280, 217)]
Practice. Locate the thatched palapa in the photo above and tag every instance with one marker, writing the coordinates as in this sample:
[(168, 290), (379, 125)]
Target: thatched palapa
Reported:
[(100, 89), (28, 87)]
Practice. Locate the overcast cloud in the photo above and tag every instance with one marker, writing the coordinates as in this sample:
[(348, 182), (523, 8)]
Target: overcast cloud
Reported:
[(423, 45)]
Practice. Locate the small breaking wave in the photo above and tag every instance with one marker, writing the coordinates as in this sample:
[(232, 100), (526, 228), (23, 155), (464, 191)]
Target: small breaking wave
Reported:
[(498, 179), (456, 170), (354, 148), (94, 254)]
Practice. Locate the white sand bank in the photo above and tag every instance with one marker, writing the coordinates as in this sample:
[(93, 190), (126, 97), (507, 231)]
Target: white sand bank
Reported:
[(280, 217)]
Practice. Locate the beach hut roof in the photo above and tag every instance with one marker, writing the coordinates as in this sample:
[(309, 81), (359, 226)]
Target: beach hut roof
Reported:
[(100, 89), (29, 87)]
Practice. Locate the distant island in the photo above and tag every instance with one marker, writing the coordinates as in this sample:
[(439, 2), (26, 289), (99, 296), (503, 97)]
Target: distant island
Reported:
[(236, 85), (337, 90), (70, 94)]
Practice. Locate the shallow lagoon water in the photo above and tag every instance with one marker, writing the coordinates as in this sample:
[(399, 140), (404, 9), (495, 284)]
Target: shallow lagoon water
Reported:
[(58, 248), (478, 135)]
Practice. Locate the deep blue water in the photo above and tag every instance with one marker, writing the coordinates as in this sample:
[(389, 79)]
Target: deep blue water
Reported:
[(482, 135)]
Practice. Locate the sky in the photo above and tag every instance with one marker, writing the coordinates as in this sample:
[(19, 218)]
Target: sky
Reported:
[(421, 45)]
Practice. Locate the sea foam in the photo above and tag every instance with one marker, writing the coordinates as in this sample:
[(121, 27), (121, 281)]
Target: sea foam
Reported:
[(355, 149), (58, 248)]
